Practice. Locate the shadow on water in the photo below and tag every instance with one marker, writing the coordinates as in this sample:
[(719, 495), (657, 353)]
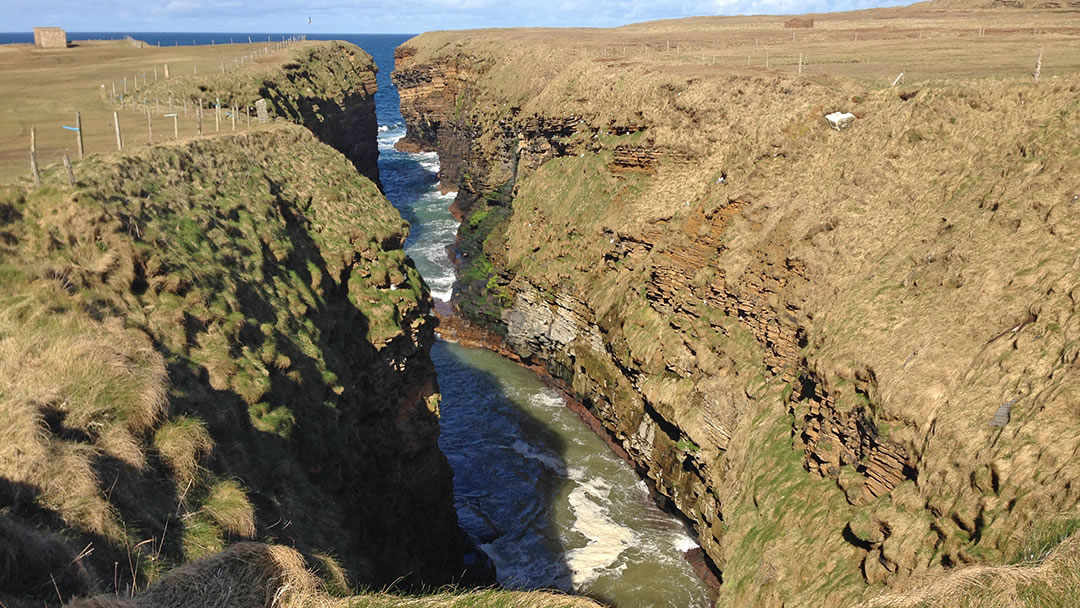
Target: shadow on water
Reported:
[(510, 472)]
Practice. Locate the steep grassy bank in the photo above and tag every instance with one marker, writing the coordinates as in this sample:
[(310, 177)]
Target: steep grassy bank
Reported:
[(848, 357), (207, 342)]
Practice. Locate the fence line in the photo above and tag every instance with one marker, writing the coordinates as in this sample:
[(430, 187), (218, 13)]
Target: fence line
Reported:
[(123, 98), (231, 112)]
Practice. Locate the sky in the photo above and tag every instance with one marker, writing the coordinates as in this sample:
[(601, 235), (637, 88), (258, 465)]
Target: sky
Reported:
[(378, 16)]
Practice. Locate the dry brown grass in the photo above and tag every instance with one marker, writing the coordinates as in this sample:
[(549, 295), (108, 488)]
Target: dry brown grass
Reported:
[(923, 41), (44, 88), (247, 575), (1054, 581), (254, 575), (65, 376), (182, 442)]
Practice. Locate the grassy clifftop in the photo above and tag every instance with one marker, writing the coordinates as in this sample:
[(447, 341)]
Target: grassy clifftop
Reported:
[(329, 87), (208, 342), (847, 356)]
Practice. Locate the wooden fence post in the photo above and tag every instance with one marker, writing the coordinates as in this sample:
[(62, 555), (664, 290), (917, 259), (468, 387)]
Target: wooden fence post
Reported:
[(217, 115), (185, 108), (116, 123), (234, 118), (175, 127), (800, 63), (78, 132), (1038, 66), (33, 158), (150, 126), (166, 71), (198, 119), (70, 172)]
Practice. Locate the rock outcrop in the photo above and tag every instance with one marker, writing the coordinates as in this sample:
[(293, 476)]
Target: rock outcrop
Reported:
[(805, 364)]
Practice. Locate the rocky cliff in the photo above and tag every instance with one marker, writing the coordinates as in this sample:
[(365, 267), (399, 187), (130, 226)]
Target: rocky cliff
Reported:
[(848, 358), (328, 87), (207, 342)]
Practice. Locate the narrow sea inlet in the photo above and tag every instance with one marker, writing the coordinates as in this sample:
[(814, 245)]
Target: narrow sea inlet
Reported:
[(543, 496)]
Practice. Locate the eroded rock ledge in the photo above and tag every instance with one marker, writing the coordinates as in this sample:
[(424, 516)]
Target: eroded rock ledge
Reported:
[(801, 335)]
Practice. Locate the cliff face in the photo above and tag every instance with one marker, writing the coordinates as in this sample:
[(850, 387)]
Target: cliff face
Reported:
[(208, 342), (431, 104), (328, 87), (847, 357)]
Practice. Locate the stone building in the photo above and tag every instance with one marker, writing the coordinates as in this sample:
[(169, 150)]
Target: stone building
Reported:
[(50, 38)]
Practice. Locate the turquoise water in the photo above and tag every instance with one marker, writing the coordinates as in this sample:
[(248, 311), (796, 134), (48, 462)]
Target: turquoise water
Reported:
[(539, 492)]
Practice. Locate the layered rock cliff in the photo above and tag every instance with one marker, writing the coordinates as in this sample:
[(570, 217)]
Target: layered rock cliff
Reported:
[(208, 342), (847, 357)]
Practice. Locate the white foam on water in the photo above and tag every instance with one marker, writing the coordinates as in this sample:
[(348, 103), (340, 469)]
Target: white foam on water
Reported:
[(606, 538), (442, 295), (683, 542), (530, 451), (547, 400), (447, 227), (388, 141), (428, 160)]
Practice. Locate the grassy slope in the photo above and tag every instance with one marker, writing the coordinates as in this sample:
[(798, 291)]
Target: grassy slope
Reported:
[(933, 225), (44, 88), (188, 338)]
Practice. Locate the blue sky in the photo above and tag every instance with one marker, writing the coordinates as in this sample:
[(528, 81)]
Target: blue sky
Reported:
[(378, 16)]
